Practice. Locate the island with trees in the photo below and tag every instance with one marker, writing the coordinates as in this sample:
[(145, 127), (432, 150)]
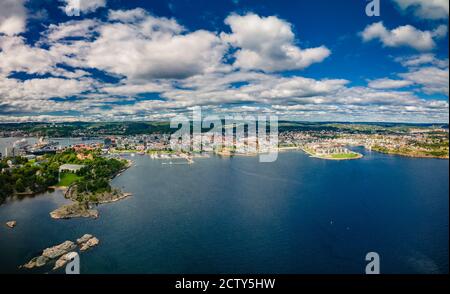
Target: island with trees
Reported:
[(87, 187)]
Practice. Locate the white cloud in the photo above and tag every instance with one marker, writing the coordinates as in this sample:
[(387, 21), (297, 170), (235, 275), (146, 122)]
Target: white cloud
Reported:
[(132, 15), (426, 71), (422, 59), (259, 88), (17, 56), (440, 32), (153, 48), (403, 36), (149, 25), (83, 28), (135, 45), (427, 9), (84, 6), (40, 89), (389, 84), (150, 54), (268, 43), (299, 87), (432, 79), (127, 89), (290, 98), (13, 17), (33, 96)]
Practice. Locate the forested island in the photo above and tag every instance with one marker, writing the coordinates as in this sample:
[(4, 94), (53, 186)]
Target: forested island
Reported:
[(20, 176)]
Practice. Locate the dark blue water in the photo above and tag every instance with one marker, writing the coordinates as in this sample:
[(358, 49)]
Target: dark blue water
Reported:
[(297, 215)]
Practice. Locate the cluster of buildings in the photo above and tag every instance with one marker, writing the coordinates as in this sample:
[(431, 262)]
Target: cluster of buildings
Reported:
[(323, 149), (139, 143), (325, 142), (332, 142)]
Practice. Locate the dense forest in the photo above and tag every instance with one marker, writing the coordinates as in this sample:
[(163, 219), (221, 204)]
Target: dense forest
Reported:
[(86, 129)]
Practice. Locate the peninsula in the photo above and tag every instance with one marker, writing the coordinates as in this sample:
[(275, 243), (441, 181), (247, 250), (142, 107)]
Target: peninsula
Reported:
[(82, 173)]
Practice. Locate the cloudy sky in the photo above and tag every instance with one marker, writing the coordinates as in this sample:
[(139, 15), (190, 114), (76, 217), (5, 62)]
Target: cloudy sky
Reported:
[(150, 60)]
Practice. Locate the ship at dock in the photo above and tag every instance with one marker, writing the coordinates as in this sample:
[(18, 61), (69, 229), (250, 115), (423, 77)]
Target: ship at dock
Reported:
[(44, 146)]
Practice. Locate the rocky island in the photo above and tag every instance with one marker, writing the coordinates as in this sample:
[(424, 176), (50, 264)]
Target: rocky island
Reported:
[(74, 210), (85, 207), (62, 253), (11, 224)]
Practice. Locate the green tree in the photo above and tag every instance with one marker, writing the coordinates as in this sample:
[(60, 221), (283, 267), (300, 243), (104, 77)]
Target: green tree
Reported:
[(20, 187)]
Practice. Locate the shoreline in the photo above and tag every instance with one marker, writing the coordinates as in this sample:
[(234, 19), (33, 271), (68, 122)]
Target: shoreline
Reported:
[(411, 155), (77, 209), (312, 155)]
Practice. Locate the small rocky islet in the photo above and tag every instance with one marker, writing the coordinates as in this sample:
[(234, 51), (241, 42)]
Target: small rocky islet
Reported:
[(62, 253), (11, 224)]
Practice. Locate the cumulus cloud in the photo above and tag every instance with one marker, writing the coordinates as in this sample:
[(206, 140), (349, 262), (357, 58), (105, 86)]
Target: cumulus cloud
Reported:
[(299, 87), (133, 44), (181, 68), (16, 56), (364, 104), (422, 59), (389, 84), (432, 79), (427, 9), (43, 88), (71, 29), (440, 32), (253, 88), (131, 90), (403, 36), (34, 96), (150, 47), (13, 17), (268, 44), (427, 72), (132, 15), (84, 6), (288, 97)]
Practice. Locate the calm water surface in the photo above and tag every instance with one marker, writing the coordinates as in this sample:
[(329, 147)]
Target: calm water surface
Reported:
[(236, 215)]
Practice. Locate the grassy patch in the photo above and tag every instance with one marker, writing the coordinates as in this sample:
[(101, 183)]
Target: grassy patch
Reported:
[(67, 179), (345, 156)]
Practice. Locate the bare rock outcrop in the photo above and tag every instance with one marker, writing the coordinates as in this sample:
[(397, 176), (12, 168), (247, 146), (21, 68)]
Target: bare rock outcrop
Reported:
[(63, 260), (11, 224), (87, 241), (62, 253)]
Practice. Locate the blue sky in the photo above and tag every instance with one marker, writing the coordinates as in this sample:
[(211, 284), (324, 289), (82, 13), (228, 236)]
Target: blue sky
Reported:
[(151, 60)]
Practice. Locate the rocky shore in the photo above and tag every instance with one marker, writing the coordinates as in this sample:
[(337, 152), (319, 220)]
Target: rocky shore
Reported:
[(61, 254), (87, 241), (73, 210), (109, 198), (86, 210)]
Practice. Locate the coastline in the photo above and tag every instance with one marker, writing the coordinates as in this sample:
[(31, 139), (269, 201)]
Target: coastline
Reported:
[(86, 209), (357, 156), (127, 220), (411, 155)]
